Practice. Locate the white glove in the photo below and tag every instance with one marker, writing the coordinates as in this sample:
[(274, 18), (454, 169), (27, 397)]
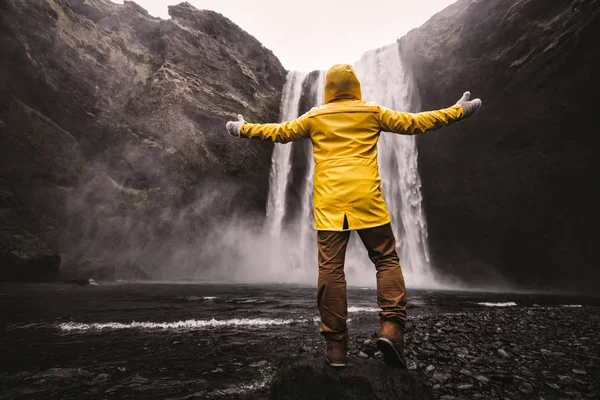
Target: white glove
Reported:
[(468, 106), (233, 127)]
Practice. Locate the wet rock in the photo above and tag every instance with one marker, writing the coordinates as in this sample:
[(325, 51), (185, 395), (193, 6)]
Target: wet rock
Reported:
[(464, 386), (526, 388), (258, 364), (25, 258), (482, 379), (100, 378), (461, 351), (579, 372), (63, 373), (304, 377), (502, 353), (440, 377)]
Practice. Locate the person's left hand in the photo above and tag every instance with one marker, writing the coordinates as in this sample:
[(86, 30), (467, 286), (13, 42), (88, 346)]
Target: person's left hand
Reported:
[(234, 127), (468, 106)]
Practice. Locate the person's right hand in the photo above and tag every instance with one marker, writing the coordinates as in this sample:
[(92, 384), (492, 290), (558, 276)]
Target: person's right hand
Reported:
[(234, 127), (468, 106)]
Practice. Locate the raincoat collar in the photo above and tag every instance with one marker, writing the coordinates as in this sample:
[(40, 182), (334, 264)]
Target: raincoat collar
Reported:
[(341, 83)]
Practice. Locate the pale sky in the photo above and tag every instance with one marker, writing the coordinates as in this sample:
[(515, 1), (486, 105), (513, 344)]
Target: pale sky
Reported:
[(315, 34)]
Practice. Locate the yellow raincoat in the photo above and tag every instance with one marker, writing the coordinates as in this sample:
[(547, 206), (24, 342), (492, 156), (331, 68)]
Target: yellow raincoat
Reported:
[(344, 133)]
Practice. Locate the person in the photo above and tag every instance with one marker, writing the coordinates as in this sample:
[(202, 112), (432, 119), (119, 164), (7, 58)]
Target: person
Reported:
[(348, 197)]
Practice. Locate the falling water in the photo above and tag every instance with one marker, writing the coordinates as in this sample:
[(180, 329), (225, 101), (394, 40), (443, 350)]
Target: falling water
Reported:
[(383, 81), (281, 159), (306, 238)]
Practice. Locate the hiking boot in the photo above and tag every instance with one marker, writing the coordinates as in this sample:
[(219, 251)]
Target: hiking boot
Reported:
[(391, 343), (335, 353)]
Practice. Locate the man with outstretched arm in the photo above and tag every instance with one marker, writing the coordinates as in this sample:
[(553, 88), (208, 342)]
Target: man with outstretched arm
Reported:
[(348, 197)]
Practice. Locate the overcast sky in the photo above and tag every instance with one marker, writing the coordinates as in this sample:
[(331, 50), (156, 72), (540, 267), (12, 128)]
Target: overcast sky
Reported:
[(315, 34)]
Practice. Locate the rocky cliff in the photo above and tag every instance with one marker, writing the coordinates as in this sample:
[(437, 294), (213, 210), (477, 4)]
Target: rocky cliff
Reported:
[(112, 140), (514, 189)]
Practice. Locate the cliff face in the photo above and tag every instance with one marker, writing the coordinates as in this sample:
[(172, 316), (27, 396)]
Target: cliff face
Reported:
[(112, 139), (514, 189)]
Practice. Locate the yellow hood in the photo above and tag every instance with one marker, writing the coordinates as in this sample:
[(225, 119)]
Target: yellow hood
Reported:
[(341, 84)]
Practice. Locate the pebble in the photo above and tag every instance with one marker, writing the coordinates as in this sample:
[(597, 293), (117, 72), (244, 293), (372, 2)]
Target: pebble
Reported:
[(526, 388), (429, 368), (464, 386), (304, 349), (100, 378), (564, 378), (368, 342), (259, 364), (482, 378), (503, 353), (461, 350), (440, 377), (362, 355), (579, 372)]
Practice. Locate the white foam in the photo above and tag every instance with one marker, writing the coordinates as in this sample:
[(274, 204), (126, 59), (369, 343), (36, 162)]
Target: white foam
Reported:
[(505, 304), (199, 298), (188, 325), (354, 309), (571, 305)]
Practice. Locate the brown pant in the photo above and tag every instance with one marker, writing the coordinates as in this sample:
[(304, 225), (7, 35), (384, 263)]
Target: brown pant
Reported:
[(331, 299)]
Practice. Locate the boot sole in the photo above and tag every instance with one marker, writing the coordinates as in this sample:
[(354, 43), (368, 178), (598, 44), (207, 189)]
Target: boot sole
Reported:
[(390, 354), (335, 364)]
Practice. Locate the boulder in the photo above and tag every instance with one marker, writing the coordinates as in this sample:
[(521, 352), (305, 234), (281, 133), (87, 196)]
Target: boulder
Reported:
[(25, 258), (308, 376)]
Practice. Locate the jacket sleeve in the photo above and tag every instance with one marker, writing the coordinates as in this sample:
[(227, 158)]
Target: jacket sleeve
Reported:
[(411, 124), (281, 133)]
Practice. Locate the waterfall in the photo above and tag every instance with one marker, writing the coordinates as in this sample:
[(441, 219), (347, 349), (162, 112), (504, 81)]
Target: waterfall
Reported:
[(383, 81), (281, 159), (307, 231)]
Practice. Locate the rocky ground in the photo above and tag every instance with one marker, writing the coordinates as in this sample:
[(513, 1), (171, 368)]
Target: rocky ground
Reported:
[(537, 352)]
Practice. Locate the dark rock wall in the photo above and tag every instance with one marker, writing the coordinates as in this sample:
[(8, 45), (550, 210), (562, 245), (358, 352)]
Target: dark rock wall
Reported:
[(112, 128), (515, 188)]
